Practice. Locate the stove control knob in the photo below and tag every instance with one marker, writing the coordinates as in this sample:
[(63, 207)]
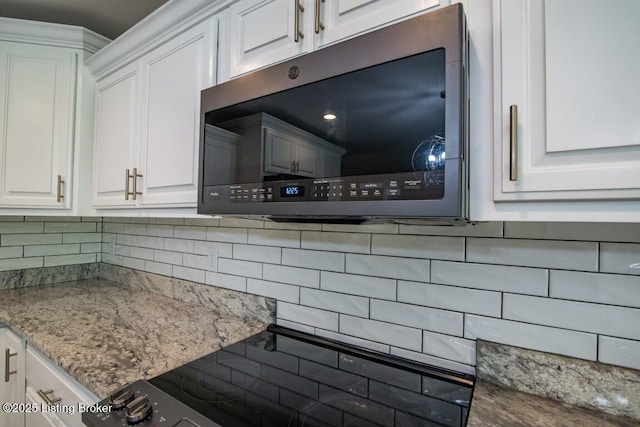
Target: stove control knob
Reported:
[(119, 398), (138, 410)]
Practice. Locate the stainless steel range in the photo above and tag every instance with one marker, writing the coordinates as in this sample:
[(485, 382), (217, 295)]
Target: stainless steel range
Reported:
[(283, 377)]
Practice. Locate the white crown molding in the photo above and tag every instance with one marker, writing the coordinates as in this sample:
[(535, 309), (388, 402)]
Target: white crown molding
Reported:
[(47, 33), (171, 19)]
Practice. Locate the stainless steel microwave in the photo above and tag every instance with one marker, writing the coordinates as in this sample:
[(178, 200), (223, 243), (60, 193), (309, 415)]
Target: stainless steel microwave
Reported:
[(370, 129)]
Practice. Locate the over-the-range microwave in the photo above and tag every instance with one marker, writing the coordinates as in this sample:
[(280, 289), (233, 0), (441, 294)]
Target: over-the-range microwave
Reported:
[(371, 129)]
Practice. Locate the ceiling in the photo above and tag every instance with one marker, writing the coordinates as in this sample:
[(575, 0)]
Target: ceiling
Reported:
[(109, 18)]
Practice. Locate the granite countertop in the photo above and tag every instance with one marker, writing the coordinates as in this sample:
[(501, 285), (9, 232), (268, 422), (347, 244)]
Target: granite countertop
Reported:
[(501, 407), (106, 334)]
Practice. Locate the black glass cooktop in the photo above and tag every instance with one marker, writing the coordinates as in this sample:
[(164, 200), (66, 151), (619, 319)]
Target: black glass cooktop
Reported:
[(286, 378)]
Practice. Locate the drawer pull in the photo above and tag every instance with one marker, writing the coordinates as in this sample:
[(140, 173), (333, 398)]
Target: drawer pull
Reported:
[(513, 143), (319, 25), (7, 367), (45, 396), (297, 33), (60, 195)]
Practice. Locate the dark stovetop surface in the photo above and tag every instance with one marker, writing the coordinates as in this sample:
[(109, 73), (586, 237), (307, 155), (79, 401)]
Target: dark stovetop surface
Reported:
[(283, 378)]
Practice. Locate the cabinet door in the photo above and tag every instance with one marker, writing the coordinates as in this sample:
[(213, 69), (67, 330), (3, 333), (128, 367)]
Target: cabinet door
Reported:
[(37, 110), (344, 18), (116, 135), (12, 391), (174, 74), (571, 68), (262, 32), (39, 418), (306, 156), (278, 152)]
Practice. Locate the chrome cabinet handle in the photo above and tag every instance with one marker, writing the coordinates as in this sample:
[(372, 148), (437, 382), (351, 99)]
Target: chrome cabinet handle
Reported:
[(7, 367), (126, 184), (134, 177), (297, 33), (513, 143), (319, 25), (44, 395), (60, 184)]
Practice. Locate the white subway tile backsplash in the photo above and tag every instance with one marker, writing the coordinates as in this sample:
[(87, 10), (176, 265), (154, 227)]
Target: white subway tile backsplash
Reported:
[(265, 254), (113, 227), (331, 261), (90, 247), (580, 316), (534, 253), (448, 347), (158, 268), (367, 286), (110, 259), (30, 239), (520, 280), (70, 227), (344, 242), (450, 298), (385, 266), (347, 304), (55, 260), (240, 268), (195, 261), (270, 237), (179, 245), (615, 289), (188, 274), (542, 338), (151, 242), (157, 230), (620, 258), (241, 222), (279, 291), (432, 247), (122, 250), (307, 316), (79, 237), (432, 319), (292, 275), (135, 263), (482, 229), (43, 250), (203, 222), (140, 229), (11, 227), (19, 263), (168, 221), (142, 253), (225, 250), (228, 281), (432, 360), (359, 342), (127, 240), (229, 235), (386, 333), (168, 257), (620, 352), (612, 232), (190, 232), (13, 252)]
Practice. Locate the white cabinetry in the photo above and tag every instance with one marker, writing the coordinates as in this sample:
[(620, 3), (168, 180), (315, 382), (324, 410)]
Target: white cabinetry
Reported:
[(263, 32), (147, 117), (570, 68), (12, 382), (42, 90), (50, 387)]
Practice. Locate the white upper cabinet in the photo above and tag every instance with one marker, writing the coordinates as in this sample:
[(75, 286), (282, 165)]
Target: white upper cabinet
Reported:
[(262, 32), (43, 88), (36, 118), (147, 124), (571, 69), (116, 135)]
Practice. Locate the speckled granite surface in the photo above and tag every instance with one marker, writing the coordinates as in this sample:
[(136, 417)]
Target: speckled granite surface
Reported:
[(224, 301), (47, 275), (592, 385), (520, 387), (106, 334), (495, 406)]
